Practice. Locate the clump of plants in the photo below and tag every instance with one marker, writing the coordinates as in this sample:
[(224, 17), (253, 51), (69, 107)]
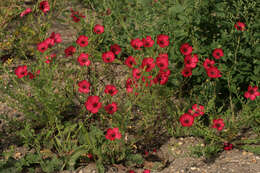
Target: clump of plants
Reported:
[(122, 88)]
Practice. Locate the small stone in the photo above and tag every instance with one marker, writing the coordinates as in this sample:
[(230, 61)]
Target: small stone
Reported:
[(180, 143), (257, 157), (202, 145), (181, 139), (244, 153), (193, 168)]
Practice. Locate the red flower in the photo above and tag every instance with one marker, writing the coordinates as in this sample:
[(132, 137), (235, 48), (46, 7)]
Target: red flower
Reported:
[(146, 171), (49, 59), (42, 47), (186, 49), (115, 49), (148, 63), (137, 44), (196, 110), (240, 26), (228, 146), (31, 76), (83, 86), (50, 42), (44, 6), (26, 11), (56, 37), (92, 104), (163, 40), (111, 108), (162, 61), (218, 124), (208, 64), (98, 29), (186, 120), (191, 61), (90, 156), (70, 51), (136, 73), (213, 72), (21, 71), (129, 85), (217, 53), (162, 77), (130, 61), (252, 92), (76, 16), (186, 72), (148, 42), (113, 134), (83, 59), (131, 171), (82, 41), (111, 89), (108, 57)]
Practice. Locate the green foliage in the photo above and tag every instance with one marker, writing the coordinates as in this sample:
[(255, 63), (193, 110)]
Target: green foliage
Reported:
[(60, 129)]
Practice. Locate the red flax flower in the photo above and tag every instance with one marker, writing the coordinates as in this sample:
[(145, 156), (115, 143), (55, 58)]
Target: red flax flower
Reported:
[(163, 40), (252, 92), (82, 41), (50, 42), (111, 89), (42, 47), (116, 49), (21, 71), (147, 80), (26, 11), (129, 85), (56, 37), (208, 64), (146, 171), (92, 104), (108, 57), (228, 146), (136, 73), (83, 86), (83, 59), (98, 29), (130, 61), (186, 49), (186, 72), (131, 171), (186, 120), (111, 108), (76, 16), (44, 6), (162, 77), (148, 63), (70, 51), (213, 72), (137, 44), (240, 26), (217, 53), (148, 42), (191, 61), (196, 110), (162, 61), (113, 134), (218, 124), (49, 59)]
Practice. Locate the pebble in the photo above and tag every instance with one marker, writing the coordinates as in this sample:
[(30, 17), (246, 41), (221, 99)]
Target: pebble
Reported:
[(180, 143), (193, 168), (257, 157)]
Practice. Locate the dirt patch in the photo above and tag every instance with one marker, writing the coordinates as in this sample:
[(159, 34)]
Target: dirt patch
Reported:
[(175, 157)]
